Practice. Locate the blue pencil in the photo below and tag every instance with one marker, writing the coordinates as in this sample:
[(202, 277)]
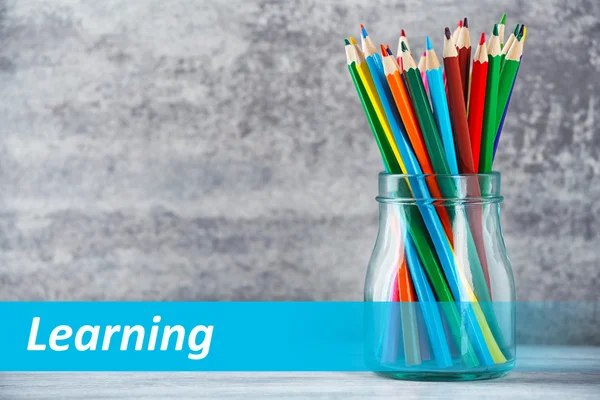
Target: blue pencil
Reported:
[(429, 307), (370, 52), (441, 112)]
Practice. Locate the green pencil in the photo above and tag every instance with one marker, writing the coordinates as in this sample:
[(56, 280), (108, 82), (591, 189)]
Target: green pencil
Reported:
[(431, 134), (508, 44), (488, 134), (507, 78), (387, 155), (501, 27)]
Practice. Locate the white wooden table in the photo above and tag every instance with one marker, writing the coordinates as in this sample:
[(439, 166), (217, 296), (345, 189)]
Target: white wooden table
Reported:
[(542, 372)]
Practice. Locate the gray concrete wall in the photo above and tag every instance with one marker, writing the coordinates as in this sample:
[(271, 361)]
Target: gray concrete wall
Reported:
[(201, 150)]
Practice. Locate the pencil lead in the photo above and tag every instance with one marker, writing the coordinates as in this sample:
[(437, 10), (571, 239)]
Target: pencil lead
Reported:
[(352, 40), (389, 51), (428, 44), (404, 48), (495, 30), (521, 31), (482, 39), (503, 19), (447, 33), (346, 42), (524, 34), (383, 51), (402, 33), (459, 25), (387, 46), (516, 31), (424, 54), (466, 23), (363, 31)]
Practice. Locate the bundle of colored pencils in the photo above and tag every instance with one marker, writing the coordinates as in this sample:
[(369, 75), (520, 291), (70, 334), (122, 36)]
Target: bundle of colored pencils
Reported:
[(441, 118)]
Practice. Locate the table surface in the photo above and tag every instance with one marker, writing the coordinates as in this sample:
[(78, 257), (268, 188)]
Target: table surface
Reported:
[(541, 372)]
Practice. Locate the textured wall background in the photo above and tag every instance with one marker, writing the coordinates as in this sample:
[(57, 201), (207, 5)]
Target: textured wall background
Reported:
[(188, 150)]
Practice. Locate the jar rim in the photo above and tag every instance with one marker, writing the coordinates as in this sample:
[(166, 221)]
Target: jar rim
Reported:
[(449, 188), (493, 175)]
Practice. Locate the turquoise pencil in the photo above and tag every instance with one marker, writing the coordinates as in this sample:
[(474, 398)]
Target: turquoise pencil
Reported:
[(437, 91)]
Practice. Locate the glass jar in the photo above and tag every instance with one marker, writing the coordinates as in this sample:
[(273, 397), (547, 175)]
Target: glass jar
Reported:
[(441, 270)]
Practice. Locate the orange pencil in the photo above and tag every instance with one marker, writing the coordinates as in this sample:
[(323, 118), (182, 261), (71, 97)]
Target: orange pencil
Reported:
[(413, 129)]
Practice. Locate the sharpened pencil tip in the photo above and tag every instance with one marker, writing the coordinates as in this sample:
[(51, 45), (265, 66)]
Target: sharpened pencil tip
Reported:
[(447, 33), (516, 31), (428, 45), (521, 30), (503, 19), (346, 42), (383, 51), (524, 34), (402, 33), (424, 54), (466, 23), (389, 51), (482, 39), (404, 48), (363, 31), (459, 25), (352, 40), (495, 33)]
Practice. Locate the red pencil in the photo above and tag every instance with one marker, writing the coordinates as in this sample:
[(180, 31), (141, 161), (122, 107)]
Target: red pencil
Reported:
[(477, 102), (463, 46), (456, 104)]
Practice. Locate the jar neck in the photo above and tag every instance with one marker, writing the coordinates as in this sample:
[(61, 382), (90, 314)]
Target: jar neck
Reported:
[(438, 188)]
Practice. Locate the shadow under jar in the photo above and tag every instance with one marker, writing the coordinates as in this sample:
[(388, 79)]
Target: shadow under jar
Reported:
[(440, 280)]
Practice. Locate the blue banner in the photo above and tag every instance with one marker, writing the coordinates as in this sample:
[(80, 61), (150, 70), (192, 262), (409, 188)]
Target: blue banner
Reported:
[(261, 336)]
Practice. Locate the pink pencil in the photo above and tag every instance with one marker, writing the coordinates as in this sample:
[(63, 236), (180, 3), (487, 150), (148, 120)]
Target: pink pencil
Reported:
[(422, 68)]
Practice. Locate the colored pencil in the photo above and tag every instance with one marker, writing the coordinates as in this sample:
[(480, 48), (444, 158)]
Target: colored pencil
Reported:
[(458, 112), (456, 32), (375, 64), (421, 67), (507, 78), (404, 292), (509, 95), (429, 309), (509, 43), (489, 130), (463, 46), (401, 40), (501, 27), (387, 155), (477, 99), (368, 47), (368, 82), (439, 101)]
